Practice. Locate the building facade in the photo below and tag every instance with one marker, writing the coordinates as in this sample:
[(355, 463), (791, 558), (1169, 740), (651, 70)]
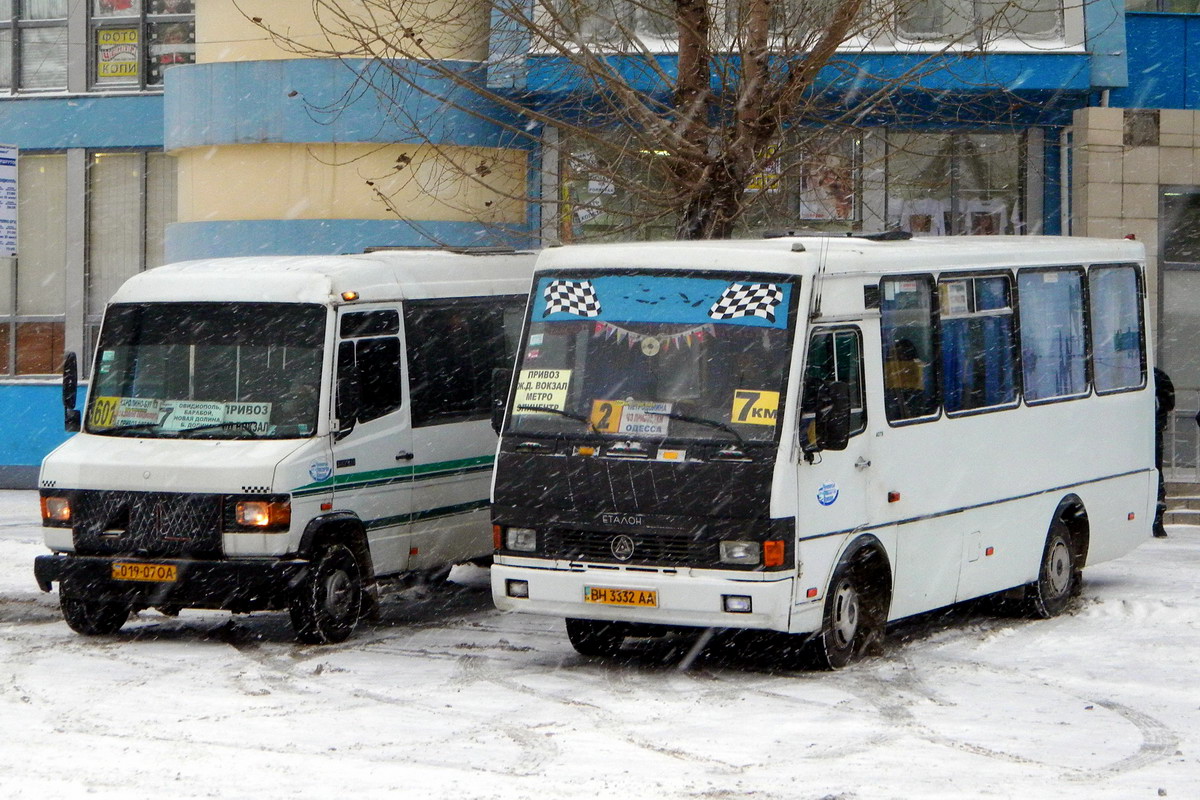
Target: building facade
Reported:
[(161, 130)]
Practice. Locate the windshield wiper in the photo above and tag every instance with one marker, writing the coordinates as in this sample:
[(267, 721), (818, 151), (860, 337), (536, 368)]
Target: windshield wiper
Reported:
[(132, 426), (244, 425), (561, 413), (711, 423)]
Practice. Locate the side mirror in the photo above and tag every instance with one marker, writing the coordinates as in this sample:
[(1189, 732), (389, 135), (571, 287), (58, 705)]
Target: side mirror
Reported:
[(501, 381), (832, 420), (348, 395), (72, 418)]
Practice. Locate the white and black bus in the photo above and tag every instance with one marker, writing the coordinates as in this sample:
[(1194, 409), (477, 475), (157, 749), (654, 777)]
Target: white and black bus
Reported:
[(821, 435)]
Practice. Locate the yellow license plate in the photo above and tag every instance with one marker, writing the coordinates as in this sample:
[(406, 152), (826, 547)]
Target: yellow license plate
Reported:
[(156, 573), (640, 598)]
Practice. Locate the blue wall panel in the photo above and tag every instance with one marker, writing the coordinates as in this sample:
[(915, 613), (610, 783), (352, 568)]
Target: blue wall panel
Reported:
[(1164, 69), (325, 100), (188, 240), (35, 414), (54, 123)]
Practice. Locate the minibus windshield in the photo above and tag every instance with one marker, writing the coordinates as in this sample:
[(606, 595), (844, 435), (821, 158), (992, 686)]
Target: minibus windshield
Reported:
[(655, 356), (208, 370)]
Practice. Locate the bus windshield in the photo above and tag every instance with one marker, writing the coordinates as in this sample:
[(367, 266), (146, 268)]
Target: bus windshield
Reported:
[(667, 356), (208, 370)]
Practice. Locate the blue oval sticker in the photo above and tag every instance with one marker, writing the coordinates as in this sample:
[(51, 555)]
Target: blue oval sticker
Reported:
[(827, 494)]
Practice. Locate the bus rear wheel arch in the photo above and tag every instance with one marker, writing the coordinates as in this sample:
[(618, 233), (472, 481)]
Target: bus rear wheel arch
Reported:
[(856, 606)]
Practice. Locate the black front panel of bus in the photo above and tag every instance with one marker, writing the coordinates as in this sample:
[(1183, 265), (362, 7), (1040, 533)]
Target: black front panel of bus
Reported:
[(677, 513)]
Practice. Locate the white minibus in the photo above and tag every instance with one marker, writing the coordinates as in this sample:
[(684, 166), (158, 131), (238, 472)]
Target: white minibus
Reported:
[(821, 435), (281, 433)]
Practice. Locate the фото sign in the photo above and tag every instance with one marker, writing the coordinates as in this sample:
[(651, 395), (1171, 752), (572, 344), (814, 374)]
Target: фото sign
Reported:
[(8, 200)]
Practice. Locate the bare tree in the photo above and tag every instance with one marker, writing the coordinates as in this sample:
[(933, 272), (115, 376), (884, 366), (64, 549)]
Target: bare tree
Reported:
[(681, 115)]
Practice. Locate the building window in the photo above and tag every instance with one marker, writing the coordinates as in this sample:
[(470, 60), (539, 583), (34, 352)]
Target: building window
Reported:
[(981, 21), (135, 41), (33, 45), (955, 183), (32, 304), (131, 200)]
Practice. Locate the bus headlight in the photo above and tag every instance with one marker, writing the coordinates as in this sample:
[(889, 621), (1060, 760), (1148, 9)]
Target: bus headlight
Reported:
[(738, 552), (523, 539), (263, 514), (56, 511)]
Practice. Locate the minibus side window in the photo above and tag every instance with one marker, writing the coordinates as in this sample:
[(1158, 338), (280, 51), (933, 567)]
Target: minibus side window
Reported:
[(1053, 339), (377, 360), (1118, 352), (835, 355), (978, 347), (453, 348), (907, 328)]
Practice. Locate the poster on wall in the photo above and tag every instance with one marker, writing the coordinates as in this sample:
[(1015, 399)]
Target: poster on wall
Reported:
[(116, 53), (8, 200), (826, 188)]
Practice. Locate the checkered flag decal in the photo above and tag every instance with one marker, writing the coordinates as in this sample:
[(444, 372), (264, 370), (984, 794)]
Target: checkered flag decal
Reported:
[(748, 300), (572, 297)]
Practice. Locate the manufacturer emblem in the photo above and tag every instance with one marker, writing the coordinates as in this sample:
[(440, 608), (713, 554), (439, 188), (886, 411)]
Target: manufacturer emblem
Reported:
[(631, 520), (622, 547)]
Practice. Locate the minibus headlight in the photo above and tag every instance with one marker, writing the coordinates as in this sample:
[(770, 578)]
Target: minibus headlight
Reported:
[(56, 511), (263, 514), (739, 552), (523, 539)]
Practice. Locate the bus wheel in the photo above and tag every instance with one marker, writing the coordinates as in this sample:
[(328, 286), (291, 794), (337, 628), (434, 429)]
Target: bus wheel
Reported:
[(591, 637), (853, 619), (91, 617), (1049, 595), (329, 601)]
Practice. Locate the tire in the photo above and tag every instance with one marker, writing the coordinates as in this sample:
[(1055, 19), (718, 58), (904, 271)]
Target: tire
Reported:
[(853, 620), (591, 637), (1058, 576), (329, 600), (90, 617)]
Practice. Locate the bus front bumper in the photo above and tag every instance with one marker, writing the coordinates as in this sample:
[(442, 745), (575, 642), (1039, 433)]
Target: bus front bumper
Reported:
[(691, 600), (233, 585)]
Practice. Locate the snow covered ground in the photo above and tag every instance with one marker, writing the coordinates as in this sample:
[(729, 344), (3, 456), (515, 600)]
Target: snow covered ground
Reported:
[(446, 698)]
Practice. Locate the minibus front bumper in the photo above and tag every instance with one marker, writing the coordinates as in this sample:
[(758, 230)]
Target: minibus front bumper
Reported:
[(698, 599), (232, 585)]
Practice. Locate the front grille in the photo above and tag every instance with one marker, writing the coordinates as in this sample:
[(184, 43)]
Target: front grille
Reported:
[(146, 523), (657, 548)]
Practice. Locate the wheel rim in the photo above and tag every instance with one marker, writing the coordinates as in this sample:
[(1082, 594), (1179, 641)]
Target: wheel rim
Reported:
[(338, 594), (844, 621), (1058, 572)]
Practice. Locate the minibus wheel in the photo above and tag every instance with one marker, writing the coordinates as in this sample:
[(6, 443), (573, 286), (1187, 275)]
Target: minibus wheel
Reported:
[(90, 617), (854, 617), (593, 637), (1050, 594), (329, 600)]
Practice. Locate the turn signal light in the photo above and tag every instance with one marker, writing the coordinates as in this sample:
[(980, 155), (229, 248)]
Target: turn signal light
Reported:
[(773, 552)]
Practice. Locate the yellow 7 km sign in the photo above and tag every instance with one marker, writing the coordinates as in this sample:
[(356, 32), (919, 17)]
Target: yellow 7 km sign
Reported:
[(754, 408)]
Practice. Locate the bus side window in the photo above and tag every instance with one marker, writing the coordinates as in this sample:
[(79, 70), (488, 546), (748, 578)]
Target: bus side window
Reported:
[(1118, 350), (907, 330), (453, 348), (978, 344), (377, 359), (834, 354)]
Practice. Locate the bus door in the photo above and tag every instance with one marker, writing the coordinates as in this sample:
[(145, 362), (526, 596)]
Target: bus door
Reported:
[(372, 463), (833, 483)]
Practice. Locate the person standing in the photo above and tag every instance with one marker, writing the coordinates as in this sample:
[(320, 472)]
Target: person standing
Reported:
[(1164, 404)]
